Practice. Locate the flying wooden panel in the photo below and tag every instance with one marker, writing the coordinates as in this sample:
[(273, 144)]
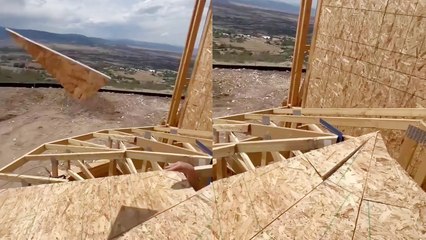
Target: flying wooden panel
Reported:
[(79, 80)]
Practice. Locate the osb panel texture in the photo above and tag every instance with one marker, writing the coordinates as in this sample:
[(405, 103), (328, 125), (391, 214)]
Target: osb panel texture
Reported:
[(91, 209), (197, 110), (370, 53), (80, 81)]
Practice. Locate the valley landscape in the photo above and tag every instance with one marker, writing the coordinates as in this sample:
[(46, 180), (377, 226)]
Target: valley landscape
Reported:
[(251, 32)]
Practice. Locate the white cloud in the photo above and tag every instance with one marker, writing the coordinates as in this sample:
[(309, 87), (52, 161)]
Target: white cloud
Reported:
[(144, 20)]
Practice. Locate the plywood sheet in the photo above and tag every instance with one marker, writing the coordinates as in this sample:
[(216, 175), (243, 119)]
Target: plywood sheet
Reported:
[(248, 202), (197, 110), (91, 209), (381, 221), (328, 212), (353, 174), (325, 159), (369, 54), (191, 219), (390, 184), (79, 80)]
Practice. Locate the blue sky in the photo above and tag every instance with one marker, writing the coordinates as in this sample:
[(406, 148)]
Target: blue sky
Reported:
[(163, 21)]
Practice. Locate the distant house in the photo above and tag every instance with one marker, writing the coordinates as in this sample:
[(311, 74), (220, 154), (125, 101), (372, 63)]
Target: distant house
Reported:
[(152, 71), (33, 65), (266, 37)]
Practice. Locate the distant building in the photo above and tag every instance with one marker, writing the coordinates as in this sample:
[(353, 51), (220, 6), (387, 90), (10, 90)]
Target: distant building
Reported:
[(266, 37), (33, 65)]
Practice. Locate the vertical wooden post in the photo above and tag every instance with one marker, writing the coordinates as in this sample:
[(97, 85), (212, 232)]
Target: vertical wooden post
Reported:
[(299, 52), (304, 89), (55, 167), (185, 61)]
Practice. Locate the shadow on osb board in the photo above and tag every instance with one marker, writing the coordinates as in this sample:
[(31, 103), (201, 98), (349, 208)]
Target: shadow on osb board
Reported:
[(128, 218)]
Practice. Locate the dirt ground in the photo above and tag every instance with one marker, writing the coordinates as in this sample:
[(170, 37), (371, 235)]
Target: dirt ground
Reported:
[(31, 117), (243, 90)]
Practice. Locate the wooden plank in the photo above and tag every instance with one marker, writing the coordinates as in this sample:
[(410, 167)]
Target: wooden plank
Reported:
[(130, 166), (242, 128), (72, 148), (163, 147), (84, 143), (204, 171), (164, 157), (279, 145), (299, 52), (77, 156), (130, 139), (305, 84), (75, 175), (30, 179), (270, 132), (175, 137), (79, 80), (224, 151), (172, 118), (187, 132), (84, 169), (381, 123), (55, 167), (248, 163), (360, 112)]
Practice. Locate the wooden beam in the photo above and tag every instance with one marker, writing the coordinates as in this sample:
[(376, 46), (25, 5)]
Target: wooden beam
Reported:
[(204, 171), (299, 51), (381, 123), (175, 137), (248, 163), (271, 132), (172, 118), (305, 85), (30, 179), (77, 156), (85, 144), (187, 132), (164, 147), (242, 128), (84, 169), (75, 149), (75, 175), (224, 151), (117, 137), (359, 112), (129, 162), (279, 145), (164, 157)]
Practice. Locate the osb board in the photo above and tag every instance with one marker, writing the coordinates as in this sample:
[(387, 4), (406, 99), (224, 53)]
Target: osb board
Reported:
[(246, 203), (325, 159), (197, 110), (191, 219), (79, 80), (369, 54), (381, 221), (328, 212), (389, 183), (94, 209), (353, 174)]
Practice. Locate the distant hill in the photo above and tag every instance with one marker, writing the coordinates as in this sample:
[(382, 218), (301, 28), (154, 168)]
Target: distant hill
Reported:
[(78, 39), (265, 4)]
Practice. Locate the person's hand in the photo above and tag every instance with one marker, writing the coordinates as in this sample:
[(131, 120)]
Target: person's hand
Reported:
[(188, 170), (182, 167)]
